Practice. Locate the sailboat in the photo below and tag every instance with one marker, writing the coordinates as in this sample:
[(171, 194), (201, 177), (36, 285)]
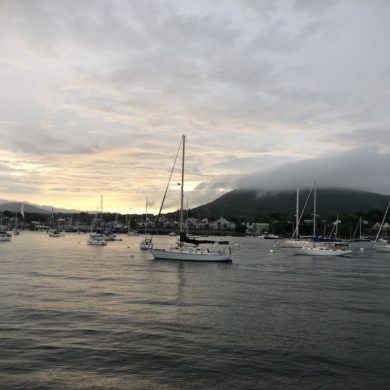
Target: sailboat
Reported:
[(295, 241), (130, 231), (52, 231), (317, 245), (16, 230), (191, 249), (360, 238), (382, 248), (146, 243)]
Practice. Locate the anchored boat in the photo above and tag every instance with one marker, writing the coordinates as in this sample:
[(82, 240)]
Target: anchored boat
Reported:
[(192, 249)]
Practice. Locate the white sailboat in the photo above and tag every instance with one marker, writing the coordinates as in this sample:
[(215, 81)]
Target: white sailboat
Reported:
[(146, 243), (55, 232), (187, 249), (324, 250), (318, 246), (130, 231), (386, 247), (295, 241)]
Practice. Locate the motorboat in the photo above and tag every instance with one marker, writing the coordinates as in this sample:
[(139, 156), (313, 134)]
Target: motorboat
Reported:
[(97, 240), (271, 236), (5, 236), (56, 233)]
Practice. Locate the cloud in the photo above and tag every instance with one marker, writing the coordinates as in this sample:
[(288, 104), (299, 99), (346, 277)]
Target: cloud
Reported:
[(363, 168), (109, 87)]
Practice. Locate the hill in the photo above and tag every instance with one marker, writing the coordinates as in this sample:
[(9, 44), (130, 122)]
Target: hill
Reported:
[(251, 204), (28, 208), (6, 205)]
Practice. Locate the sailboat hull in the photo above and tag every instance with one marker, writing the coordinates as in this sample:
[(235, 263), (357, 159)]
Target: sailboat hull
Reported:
[(191, 255), (322, 251), (56, 234), (384, 248)]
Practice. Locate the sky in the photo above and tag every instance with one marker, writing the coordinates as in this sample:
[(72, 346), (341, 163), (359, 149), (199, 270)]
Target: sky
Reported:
[(271, 94)]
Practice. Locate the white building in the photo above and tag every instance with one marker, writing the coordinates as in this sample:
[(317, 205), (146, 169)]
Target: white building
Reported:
[(222, 224)]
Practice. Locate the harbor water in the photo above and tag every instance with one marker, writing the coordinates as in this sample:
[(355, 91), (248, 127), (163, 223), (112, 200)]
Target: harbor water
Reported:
[(74, 316)]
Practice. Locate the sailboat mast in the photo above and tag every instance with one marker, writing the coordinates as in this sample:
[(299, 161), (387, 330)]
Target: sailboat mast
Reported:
[(101, 212), (297, 216), (146, 215), (383, 221), (337, 227), (182, 186), (315, 209)]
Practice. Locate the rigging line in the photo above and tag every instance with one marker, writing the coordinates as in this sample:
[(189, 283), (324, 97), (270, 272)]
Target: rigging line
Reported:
[(356, 229), (383, 221), (303, 210), (166, 190)]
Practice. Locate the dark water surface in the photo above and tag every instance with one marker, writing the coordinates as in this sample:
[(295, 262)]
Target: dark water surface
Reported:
[(74, 316)]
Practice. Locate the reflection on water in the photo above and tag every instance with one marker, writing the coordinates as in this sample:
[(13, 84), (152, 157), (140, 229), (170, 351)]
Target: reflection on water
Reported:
[(80, 317)]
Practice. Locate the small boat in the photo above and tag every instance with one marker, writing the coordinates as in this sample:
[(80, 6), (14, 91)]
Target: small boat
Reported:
[(271, 236), (56, 233), (97, 240), (146, 243), (324, 250), (190, 249), (5, 236), (112, 237), (382, 248), (172, 234), (53, 232)]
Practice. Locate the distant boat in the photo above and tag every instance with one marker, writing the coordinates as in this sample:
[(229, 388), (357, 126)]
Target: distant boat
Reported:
[(172, 234), (97, 240), (195, 249), (53, 232), (360, 238), (271, 236), (5, 236), (56, 233), (111, 237), (324, 250), (382, 248), (146, 243)]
